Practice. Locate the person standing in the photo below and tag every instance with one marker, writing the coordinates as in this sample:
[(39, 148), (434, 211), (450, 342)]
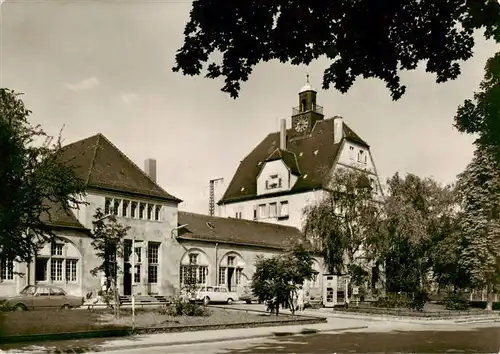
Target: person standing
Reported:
[(300, 299)]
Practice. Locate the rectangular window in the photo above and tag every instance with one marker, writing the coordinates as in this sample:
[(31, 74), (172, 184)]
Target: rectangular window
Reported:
[(255, 212), (238, 276), (263, 211), (142, 207), (7, 270), (57, 249), (202, 275), (351, 152), (153, 262), (133, 209), (116, 206), (222, 275), (107, 206), (193, 258), (150, 211), (157, 212), (137, 274), (230, 261), (71, 270), (283, 208), (361, 156), (138, 254), (56, 269), (273, 210), (125, 205)]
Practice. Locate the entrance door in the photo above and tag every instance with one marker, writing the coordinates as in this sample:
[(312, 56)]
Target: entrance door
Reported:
[(230, 272), (329, 290), (127, 279)]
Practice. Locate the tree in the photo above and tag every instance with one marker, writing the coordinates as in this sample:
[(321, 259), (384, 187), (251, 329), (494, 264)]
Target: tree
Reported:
[(482, 116), (341, 224), (278, 276), (362, 38), (479, 190), (416, 216), (33, 179), (107, 240)]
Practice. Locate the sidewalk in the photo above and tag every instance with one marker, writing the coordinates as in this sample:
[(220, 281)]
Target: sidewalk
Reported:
[(197, 337)]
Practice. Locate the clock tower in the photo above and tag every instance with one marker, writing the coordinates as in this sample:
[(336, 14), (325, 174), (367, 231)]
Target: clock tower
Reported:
[(308, 112)]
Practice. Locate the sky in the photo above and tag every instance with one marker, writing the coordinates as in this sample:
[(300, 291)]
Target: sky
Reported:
[(95, 66)]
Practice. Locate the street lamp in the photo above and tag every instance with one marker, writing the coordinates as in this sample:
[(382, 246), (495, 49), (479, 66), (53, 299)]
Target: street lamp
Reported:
[(176, 229)]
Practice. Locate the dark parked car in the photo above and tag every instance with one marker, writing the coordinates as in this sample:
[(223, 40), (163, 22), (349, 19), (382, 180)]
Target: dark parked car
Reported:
[(41, 297)]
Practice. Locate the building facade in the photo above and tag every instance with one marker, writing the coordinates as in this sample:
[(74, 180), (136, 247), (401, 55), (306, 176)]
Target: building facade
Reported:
[(168, 242), (288, 170)]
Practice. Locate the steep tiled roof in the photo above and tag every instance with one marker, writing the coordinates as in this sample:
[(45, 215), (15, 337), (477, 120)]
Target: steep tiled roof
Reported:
[(314, 153), (59, 217), (288, 158), (103, 166), (235, 231)]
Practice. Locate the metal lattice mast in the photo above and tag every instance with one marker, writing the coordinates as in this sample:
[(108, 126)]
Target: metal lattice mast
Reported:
[(211, 200)]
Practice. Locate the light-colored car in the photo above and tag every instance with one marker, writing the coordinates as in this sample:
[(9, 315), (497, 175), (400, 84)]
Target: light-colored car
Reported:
[(34, 297), (209, 294)]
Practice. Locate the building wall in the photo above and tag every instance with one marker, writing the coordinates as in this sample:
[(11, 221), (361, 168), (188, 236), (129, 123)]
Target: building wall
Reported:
[(77, 248), (296, 204), (215, 257)]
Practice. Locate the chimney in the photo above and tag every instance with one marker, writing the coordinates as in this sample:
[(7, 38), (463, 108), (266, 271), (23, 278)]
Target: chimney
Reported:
[(283, 134), (338, 129), (150, 168)]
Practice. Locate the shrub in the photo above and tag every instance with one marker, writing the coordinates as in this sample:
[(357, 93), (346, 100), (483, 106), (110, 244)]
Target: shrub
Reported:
[(455, 302), (393, 300), (183, 308), (418, 301)]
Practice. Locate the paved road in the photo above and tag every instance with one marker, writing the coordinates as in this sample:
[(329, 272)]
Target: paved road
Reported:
[(481, 340)]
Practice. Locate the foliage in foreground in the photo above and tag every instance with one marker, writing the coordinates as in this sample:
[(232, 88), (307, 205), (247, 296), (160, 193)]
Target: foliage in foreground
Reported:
[(479, 191), (414, 301), (35, 180), (367, 39), (278, 276), (342, 224), (107, 241), (184, 308)]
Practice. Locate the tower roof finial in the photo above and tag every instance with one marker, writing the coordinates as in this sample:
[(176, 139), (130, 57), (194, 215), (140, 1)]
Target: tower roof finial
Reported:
[(307, 86)]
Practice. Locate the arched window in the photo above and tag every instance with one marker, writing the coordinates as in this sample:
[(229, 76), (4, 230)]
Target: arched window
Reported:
[(57, 262), (194, 268), (231, 268)]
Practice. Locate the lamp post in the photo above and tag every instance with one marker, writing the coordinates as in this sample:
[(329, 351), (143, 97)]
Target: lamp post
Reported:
[(177, 229)]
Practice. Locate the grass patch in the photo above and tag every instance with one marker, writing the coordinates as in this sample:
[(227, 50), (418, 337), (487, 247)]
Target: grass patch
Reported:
[(26, 323)]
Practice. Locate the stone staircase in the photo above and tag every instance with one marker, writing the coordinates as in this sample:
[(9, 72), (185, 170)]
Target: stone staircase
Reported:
[(144, 299)]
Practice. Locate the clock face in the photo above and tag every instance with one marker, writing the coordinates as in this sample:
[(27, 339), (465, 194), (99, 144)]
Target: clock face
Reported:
[(301, 125)]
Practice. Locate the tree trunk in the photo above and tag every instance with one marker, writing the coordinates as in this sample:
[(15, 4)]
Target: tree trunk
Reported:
[(489, 300)]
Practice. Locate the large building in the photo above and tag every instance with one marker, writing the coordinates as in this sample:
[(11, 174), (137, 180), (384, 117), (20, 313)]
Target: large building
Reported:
[(288, 169), (222, 250)]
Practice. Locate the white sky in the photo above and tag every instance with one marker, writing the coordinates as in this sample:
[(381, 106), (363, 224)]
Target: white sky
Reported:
[(105, 66)]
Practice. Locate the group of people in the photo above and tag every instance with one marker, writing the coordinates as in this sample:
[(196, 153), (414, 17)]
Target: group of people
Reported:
[(295, 301)]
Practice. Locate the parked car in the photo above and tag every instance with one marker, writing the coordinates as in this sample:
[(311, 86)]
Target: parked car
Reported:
[(41, 297), (248, 296), (210, 294)]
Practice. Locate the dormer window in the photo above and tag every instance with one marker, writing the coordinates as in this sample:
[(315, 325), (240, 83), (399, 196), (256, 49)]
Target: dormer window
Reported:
[(361, 156), (273, 182)]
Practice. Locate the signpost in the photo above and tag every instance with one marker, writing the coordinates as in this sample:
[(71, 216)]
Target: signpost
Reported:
[(134, 243)]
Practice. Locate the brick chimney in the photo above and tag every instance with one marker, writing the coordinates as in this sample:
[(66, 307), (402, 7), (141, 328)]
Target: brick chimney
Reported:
[(338, 129), (150, 168), (283, 134)]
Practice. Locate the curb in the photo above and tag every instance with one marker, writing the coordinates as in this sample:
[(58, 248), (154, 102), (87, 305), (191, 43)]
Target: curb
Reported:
[(213, 340)]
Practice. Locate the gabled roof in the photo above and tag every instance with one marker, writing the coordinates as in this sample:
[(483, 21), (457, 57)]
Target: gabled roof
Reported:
[(58, 217), (235, 231), (288, 158), (103, 166), (314, 154)]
